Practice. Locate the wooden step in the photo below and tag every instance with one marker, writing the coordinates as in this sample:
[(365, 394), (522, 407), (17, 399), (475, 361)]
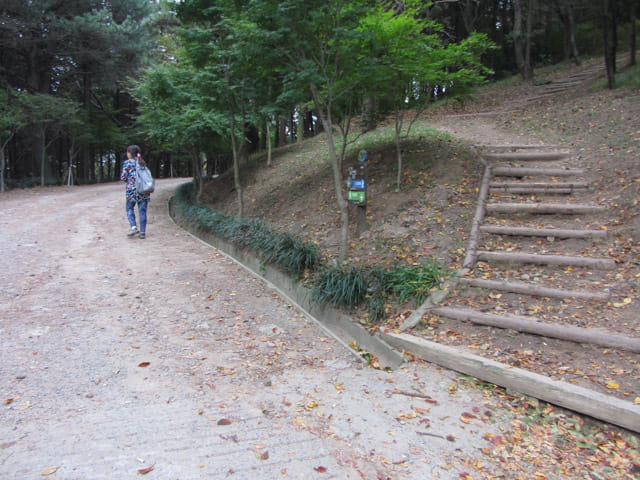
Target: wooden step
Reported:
[(526, 156), (539, 184), (543, 232), (544, 208), (549, 188), (532, 289), (526, 172), (541, 259), (534, 191), (486, 148), (536, 327)]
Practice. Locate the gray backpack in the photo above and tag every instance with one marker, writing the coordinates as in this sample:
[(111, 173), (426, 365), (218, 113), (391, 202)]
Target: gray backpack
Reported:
[(144, 181)]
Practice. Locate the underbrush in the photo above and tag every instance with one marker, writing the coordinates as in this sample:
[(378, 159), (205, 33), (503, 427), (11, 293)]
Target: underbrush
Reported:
[(346, 286)]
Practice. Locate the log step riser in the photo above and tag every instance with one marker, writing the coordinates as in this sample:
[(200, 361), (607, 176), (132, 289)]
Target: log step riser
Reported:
[(525, 157), (537, 259), (542, 185), (527, 172), (543, 208), (533, 290), (543, 232), (535, 326)]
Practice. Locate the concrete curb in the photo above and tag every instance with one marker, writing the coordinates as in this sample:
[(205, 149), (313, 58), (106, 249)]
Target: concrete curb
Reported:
[(339, 325)]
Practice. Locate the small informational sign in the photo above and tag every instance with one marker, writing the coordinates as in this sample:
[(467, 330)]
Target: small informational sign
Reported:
[(357, 181), (357, 197), (357, 184)]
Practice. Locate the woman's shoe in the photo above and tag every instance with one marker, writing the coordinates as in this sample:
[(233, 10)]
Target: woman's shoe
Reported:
[(141, 234), (132, 232)]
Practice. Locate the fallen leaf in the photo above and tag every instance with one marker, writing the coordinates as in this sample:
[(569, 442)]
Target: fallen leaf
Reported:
[(144, 471), (224, 421), (49, 471), (8, 401), (144, 364), (320, 469), (624, 302), (613, 386)]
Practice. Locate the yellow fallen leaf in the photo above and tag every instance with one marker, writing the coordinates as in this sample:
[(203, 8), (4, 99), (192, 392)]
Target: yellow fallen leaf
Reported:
[(49, 471), (624, 302), (312, 404), (636, 401), (613, 386), (299, 422)]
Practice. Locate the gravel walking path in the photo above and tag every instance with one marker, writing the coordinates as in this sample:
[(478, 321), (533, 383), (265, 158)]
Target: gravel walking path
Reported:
[(163, 358)]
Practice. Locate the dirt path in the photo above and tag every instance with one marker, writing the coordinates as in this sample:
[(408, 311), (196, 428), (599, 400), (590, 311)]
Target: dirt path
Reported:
[(120, 354)]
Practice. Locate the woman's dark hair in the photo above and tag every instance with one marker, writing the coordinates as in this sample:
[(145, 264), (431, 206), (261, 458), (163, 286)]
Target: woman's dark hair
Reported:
[(136, 153)]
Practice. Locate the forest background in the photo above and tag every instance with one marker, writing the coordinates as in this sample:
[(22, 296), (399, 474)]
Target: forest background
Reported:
[(203, 84)]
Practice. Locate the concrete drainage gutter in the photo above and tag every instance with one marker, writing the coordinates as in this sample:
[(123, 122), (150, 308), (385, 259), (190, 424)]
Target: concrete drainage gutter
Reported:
[(337, 324)]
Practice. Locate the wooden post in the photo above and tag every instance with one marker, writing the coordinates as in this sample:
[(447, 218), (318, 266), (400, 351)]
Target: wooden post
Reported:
[(470, 258)]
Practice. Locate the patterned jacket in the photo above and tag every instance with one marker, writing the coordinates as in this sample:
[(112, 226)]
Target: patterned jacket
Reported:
[(128, 174)]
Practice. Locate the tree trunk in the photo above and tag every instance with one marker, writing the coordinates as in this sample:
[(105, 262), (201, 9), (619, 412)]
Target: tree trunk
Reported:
[(632, 40), (300, 124), (398, 127), (572, 34), (236, 166), (528, 70), (608, 43), (565, 12), (518, 40), (197, 172), (343, 205), (268, 142), (2, 162)]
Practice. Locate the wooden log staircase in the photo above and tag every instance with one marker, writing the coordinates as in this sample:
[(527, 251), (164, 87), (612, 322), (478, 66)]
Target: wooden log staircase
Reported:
[(548, 227)]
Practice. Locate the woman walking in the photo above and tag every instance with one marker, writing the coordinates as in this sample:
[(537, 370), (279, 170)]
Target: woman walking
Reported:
[(134, 158)]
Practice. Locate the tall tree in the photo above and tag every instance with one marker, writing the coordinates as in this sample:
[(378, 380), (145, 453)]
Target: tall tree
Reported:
[(316, 41), (77, 50), (405, 60)]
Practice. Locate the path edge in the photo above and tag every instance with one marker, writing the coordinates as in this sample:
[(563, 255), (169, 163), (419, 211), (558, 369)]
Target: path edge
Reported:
[(351, 335)]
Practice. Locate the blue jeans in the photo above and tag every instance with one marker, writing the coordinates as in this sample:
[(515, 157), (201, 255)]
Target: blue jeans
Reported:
[(142, 209)]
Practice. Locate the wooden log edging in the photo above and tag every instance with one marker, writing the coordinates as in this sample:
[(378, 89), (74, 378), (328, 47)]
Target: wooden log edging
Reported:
[(531, 289), (543, 232), (581, 400), (540, 259), (544, 208), (474, 235), (528, 172), (532, 325)]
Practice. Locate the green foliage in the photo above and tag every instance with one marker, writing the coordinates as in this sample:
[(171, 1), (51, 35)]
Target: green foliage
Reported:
[(413, 282), (288, 252), (348, 286), (344, 286)]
